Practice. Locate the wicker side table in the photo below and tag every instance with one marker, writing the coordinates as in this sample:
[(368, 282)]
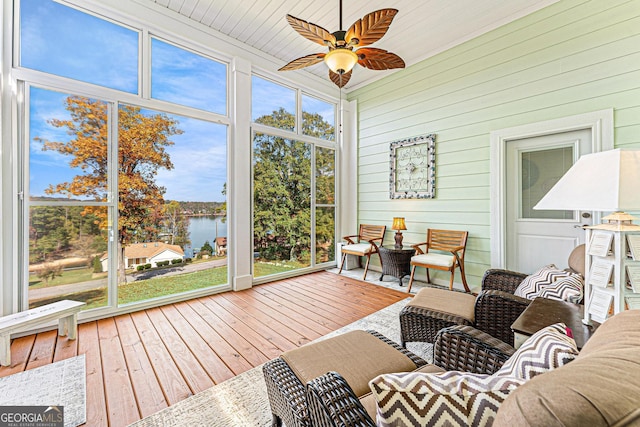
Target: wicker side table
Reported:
[(396, 262)]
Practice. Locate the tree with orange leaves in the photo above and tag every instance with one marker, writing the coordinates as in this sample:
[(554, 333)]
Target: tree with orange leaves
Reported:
[(142, 142)]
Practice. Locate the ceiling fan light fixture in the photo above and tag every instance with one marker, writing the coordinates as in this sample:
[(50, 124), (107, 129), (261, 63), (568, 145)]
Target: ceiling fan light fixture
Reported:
[(341, 60)]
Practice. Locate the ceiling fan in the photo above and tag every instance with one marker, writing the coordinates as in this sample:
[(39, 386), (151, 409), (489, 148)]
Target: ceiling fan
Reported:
[(341, 57)]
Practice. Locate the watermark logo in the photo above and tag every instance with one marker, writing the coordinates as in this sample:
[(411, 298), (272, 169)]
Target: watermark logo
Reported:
[(31, 416)]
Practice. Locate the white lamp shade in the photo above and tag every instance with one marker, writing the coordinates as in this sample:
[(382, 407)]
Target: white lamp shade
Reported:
[(607, 181)]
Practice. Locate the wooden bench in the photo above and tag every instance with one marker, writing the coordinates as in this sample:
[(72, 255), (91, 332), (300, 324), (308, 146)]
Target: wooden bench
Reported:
[(65, 311)]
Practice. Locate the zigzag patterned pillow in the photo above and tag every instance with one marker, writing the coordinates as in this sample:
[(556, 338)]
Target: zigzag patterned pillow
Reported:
[(446, 399), (531, 285), (566, 289), (547, 349)]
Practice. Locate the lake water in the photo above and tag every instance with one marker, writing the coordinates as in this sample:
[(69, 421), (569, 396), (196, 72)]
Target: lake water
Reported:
[(203, 228)]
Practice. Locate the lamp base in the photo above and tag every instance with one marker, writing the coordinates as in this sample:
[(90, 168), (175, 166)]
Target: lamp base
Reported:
[(398, 238)]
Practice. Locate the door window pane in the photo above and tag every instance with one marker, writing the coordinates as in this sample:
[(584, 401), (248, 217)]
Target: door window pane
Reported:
[(273, 105), (171, 169), (68, 147), (318, 118), (64, 41), (540, 170), (281, 204), (183, 77), (67, 255)]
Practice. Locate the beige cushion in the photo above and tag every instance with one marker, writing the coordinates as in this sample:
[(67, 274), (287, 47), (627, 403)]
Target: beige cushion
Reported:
[(357, 355), (357, 248), (445, 301), (601, 387), (576, 259), (439, 260)]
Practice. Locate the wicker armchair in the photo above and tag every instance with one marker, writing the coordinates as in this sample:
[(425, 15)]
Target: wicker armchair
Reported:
[(496, 306), (332, 403)]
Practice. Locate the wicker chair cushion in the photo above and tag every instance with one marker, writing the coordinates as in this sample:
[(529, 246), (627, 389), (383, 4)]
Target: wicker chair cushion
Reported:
[(576, 259), (445, 301), (357, 355), (439, 260), (357, 248), (601, 387), (547, 349), (531, 285), (451, 398), (566, 289)]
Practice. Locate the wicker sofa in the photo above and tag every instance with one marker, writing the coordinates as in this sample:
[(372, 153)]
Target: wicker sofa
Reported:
[(601, 387)]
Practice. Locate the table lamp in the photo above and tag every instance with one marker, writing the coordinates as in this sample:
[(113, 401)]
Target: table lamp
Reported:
[(608, 181), (398, 224)]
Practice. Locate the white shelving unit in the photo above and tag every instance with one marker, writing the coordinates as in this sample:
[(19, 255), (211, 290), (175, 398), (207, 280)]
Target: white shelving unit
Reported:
[(606, 269)]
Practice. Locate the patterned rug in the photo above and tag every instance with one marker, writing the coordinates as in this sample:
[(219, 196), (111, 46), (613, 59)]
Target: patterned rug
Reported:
[(242, 401), (58, 384)]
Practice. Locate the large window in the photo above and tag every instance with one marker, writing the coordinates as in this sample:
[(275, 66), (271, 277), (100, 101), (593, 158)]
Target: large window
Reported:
[(293, 180), (126, 193)]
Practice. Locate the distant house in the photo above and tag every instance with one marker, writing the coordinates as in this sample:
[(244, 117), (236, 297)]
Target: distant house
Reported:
[(147, 253), (220, 246)]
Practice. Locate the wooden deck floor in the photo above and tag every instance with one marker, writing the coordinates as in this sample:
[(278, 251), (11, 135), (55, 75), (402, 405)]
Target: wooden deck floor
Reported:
[(142, 362)]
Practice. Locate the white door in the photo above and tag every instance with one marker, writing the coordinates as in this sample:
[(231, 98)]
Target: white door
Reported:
[(535, 238)]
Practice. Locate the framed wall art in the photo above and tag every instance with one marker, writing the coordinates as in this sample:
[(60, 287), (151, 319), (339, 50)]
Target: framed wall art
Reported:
[(413, 168)]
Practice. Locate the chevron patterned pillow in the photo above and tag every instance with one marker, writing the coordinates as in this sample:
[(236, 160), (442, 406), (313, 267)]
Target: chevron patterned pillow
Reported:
[(566, 289), (531, 285), (445, 399), (547, 349)]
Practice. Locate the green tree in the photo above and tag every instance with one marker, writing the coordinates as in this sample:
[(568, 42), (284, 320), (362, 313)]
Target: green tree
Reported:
[(206, 247), (282, 187), (142, 141)]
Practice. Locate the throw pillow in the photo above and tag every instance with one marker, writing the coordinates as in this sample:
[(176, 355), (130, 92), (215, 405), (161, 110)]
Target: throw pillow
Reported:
[(566, 289), (547, 349), (531, 285), (450, 398)]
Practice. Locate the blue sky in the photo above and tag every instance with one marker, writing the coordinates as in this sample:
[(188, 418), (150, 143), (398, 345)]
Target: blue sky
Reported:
[(63, 41)]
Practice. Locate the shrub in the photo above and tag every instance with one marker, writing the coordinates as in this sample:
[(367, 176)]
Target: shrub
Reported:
[(140, 268), (97, 265), (176, 261), (188, 260), (147, 266)]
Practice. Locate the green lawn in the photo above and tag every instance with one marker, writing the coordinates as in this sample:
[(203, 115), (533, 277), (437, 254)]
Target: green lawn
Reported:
[(151, 288), (68, 277)]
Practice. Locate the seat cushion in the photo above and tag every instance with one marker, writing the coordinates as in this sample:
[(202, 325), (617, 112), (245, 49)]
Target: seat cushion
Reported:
[(357, 355), (445, 301), (439, 260), (601, 387), (358, 249)]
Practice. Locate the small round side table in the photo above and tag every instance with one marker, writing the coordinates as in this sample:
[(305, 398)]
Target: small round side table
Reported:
[(396, 262)]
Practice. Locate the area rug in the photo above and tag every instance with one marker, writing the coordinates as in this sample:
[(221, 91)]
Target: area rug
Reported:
[(57, 384), (242, 401)]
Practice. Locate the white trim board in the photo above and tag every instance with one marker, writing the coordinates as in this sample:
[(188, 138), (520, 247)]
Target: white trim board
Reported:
[(599, 122)]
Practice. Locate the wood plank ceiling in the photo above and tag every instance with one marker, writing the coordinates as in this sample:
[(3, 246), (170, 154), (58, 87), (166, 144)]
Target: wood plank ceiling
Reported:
[(421, 28)]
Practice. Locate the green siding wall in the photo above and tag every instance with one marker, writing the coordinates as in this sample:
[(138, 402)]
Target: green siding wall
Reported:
[(570, 58)]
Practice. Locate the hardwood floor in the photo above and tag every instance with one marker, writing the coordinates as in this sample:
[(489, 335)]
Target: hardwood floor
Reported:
[(142, 362)]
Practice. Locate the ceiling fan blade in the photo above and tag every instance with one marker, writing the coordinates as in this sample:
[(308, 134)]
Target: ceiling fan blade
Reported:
[(378, 59), (311, 31), (340, 79), (304, 61), (370, 28)]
